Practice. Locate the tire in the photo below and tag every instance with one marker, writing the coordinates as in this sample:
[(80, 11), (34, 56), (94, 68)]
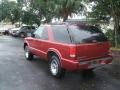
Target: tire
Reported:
[(22, 35), (28, 54), (55, 67)]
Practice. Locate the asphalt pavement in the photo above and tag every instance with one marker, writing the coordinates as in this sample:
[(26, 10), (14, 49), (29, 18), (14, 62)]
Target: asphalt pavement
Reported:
[(16, 73)]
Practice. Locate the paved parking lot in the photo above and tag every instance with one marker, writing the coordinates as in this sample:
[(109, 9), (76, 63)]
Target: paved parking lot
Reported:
[(18, 74)]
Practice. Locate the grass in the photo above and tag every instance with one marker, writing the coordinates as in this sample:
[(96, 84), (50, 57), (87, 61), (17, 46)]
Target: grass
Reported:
[(115, 49)]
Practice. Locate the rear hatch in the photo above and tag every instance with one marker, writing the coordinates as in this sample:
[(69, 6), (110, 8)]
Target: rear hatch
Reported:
[(90, 42), (92, 51)]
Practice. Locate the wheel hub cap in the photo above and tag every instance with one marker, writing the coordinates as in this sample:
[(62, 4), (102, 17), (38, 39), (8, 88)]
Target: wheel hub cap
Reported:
[(54, 67), (26, 53)]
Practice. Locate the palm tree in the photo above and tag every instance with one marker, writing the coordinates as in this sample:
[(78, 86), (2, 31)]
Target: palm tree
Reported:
[(65, 8)]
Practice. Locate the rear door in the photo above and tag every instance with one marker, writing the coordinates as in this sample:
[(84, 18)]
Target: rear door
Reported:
[(90, 42)]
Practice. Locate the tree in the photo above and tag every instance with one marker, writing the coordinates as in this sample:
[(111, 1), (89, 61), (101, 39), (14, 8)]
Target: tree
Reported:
[(9, 10), (65, 8), (30, 18), (43, 8), (29, 11), (105, 10), (49, 9)]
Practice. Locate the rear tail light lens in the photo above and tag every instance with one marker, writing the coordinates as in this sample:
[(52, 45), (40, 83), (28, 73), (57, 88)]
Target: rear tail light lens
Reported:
[(72, 52)]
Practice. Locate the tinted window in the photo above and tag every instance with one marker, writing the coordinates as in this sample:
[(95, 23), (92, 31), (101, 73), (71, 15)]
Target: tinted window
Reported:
[(86, 34), (38, 32), (60, 34), (27, 27), (44, 34), (31, 27), (23, 28), (41, 33)]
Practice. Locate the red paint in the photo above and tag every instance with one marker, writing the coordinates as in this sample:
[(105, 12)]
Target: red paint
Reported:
[(84, 53)]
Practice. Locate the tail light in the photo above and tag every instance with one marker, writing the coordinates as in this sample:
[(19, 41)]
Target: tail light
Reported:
[(72, 52)]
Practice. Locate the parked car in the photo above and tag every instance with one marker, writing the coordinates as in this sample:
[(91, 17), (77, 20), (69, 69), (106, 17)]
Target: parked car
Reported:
[(69, 47), (4, 31), (14, 31), (26, 31), (23, 31)]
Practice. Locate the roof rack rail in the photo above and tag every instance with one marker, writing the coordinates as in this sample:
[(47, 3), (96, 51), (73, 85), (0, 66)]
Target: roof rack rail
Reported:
[(86, 21), (73, 21)]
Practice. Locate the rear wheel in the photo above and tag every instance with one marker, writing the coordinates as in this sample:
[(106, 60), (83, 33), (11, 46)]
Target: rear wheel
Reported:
[(28, 54), (22, 35), (55, 67)]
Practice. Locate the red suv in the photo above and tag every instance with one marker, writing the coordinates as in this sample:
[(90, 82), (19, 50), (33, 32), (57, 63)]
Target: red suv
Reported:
[(69, 47)]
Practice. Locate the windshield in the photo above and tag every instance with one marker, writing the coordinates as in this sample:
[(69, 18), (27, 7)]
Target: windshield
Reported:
[(86, 34)]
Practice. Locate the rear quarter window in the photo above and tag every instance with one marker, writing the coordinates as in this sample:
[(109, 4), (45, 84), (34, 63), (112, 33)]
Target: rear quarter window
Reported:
[(60, 34)]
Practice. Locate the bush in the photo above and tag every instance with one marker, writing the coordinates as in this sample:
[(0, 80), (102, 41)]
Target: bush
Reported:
[(109, 35)]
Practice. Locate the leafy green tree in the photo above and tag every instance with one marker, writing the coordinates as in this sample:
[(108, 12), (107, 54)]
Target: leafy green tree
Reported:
[(43, 8), (49, 9), (65, 8), (30, 18), (104, 10), (33, 11), (9, 10)]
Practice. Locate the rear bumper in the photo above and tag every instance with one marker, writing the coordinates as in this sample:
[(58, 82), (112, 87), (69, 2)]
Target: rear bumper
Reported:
[(76, 65)]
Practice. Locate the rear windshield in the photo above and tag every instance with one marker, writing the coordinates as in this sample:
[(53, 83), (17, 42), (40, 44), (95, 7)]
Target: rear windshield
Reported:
[(88, 34)]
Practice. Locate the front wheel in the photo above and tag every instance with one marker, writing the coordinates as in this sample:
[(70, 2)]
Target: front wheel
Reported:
[(55, 67), (28, 54)]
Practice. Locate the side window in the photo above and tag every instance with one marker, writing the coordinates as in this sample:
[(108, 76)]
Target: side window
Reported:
[(44, 35), (28, 27), (24, 29), (61, 34), (38, 32), (41, 33)]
